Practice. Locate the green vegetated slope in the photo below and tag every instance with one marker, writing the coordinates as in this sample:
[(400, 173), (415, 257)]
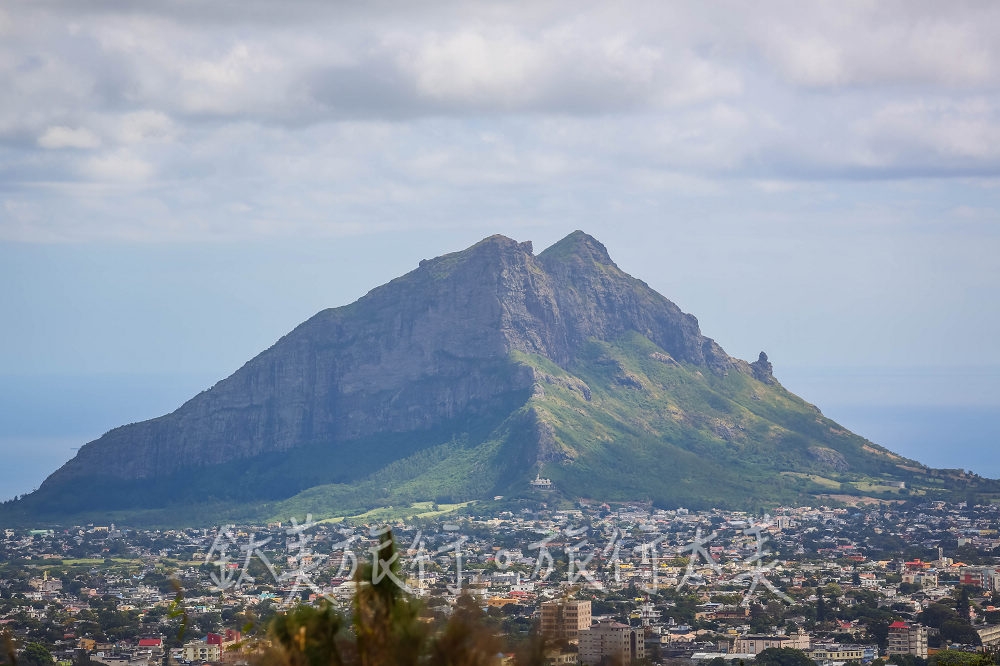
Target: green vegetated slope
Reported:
[(682, 436), (651, 426), (629, 422)]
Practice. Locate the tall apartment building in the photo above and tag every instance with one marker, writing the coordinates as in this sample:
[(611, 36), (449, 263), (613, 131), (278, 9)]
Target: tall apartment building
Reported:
[(613, 640), (565, 619), (907, 639)]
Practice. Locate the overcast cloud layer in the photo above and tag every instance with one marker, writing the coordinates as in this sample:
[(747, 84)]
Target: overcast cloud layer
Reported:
[(179, 121)]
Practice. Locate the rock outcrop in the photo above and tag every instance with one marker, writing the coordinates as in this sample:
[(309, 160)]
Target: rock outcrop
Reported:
[(762, 369)]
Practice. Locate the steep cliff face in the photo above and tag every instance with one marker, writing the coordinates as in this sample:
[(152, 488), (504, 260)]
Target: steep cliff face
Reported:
[(464, 378), (598, 300), (421, 350)]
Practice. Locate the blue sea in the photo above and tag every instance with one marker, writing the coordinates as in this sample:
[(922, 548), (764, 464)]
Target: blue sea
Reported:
[(956, 437), (45, 418)]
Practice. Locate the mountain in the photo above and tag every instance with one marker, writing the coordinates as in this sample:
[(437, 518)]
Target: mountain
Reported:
[(466, 378)]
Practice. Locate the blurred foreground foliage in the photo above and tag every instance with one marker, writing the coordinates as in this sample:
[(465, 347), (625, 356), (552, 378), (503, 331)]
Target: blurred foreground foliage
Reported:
[(390, 628)]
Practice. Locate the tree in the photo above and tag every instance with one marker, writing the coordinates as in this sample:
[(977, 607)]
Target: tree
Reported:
[(308, 636), (963, 605), (35, 654), (907, 660), (209, 622), (387, 629), (783, 657), (959, 658), (820, 606), (9, 653), (385, 621), (960, 632), (463, 643), (879, 630), (937, 614), (833, 591)]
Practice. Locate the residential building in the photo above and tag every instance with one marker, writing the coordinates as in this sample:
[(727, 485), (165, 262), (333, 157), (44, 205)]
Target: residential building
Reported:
[(565, 618), (830, 653), (202, 651), (907, 638), (921, 578), (560, 658), (612, 640), (755, 643), (990, 636), (987, 578), (541, 484)]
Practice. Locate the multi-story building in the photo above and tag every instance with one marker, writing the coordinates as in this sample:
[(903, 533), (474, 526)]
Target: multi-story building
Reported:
[(560, 658), (612, 640), (755, 643), (565, 619), (832, 653), (921, 578), (990, 636), (202, 651), (907, 639), (988, 578)]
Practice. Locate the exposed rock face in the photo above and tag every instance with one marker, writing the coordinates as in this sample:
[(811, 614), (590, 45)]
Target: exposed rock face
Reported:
[(763, 371), (830, 458), (427, 347), (596, 299)]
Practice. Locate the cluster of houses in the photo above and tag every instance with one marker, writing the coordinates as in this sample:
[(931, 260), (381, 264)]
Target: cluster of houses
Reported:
[(554, 567)]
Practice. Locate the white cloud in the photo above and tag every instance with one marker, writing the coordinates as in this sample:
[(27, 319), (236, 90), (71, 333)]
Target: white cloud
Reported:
[(68, 137), (143, 126), (777, 186), (812, 60), (946, 132), (831, 45), (468, 66), (118, 166)]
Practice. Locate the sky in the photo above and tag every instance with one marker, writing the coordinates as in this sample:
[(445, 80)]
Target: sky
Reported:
[(182, 182)]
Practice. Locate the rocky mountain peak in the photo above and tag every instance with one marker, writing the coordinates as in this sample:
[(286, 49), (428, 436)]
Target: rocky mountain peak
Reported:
[(490, 254), (579, 247)]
